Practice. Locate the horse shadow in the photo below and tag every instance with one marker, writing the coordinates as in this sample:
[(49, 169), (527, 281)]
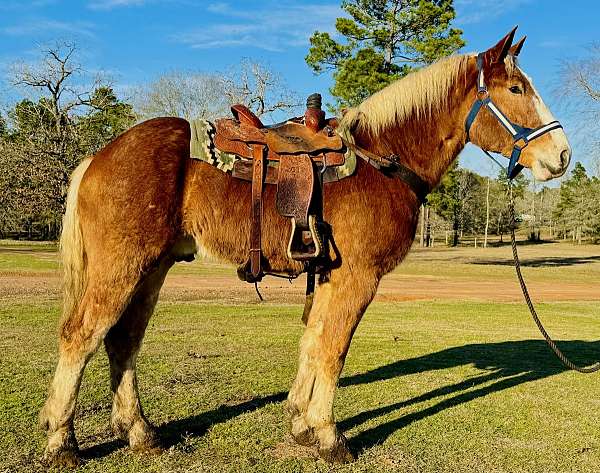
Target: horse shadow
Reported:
[(506, 365), (178, 431)]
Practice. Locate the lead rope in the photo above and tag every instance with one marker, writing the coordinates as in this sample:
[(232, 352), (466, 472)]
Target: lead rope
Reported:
[(568, 363)]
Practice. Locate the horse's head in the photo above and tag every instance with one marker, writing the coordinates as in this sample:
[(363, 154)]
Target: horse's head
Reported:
[(509, 122)]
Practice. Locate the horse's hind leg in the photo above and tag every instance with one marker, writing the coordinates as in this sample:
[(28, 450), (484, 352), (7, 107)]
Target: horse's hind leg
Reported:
[(80, 335), (122, 344)]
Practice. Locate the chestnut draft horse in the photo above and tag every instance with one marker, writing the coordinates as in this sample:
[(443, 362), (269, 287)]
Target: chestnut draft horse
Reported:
[(141, 204)]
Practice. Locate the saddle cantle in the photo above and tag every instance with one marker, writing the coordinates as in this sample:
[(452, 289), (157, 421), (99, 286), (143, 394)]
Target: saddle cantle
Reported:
[(300, 148)]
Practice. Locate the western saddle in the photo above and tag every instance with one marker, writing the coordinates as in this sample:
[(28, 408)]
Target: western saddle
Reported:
[(291, 155)]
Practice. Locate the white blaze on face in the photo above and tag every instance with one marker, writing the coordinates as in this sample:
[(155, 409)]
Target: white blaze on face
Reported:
[(547, 162)]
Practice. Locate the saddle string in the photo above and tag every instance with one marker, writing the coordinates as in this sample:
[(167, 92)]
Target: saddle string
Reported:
[(260, 297), (289, 277), (513, 241)]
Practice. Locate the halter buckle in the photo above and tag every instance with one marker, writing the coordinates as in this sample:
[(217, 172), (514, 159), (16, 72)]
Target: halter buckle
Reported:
[(482, 93), (521, 143)]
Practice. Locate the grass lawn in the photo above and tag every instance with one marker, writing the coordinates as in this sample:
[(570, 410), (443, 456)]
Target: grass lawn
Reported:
[(429, 385)]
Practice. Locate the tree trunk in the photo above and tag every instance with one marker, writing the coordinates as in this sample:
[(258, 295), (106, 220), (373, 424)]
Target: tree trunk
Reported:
[(427, 228), (487, 213), (455, 229), (422, 236)]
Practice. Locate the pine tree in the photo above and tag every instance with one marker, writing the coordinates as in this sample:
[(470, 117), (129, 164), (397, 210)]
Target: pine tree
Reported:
[(577, 208), (383, 41)]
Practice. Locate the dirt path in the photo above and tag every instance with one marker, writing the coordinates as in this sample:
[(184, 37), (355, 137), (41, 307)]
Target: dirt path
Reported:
[(394, 287)]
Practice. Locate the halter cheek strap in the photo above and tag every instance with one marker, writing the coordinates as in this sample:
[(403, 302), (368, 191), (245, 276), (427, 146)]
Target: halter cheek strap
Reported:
[(521, 135)]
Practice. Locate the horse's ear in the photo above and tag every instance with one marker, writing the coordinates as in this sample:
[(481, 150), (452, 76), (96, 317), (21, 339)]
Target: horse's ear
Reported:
[(498, 52), (515, 49)]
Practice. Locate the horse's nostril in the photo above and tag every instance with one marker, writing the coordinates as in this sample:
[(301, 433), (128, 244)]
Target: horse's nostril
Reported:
[(565, 156)]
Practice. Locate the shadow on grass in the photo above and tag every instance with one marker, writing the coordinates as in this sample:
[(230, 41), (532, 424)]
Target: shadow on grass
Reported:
[(543, 262), (508, 364), (176, 431)]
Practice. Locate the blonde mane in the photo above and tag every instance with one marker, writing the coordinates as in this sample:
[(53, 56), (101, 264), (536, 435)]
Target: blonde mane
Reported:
[(419, 93)]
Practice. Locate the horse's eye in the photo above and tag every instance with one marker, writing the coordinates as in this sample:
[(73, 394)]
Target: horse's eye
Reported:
[(515, 89)]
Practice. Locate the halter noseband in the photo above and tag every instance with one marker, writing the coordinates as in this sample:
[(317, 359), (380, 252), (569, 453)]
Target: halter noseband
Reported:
[(521, 135)]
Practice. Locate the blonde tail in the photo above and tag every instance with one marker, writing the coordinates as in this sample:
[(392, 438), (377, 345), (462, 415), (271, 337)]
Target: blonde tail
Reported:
[(72, 250)]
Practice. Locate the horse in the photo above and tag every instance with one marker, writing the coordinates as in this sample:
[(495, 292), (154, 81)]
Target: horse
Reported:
[(141, 204)]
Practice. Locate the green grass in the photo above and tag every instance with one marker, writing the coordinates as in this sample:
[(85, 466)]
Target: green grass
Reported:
[(15, 260), (427, 387)]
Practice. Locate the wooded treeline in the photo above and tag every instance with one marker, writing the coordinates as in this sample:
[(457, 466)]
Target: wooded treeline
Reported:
[(63, 115), (473, 209)]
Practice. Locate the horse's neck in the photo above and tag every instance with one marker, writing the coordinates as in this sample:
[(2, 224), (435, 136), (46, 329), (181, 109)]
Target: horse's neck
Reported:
[(428, 143)]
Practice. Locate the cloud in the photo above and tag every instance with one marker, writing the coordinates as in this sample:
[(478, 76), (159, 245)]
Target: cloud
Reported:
[(110, 4), (8, 5), (271, 27), (44, 26), (552, 43), (475, 11)]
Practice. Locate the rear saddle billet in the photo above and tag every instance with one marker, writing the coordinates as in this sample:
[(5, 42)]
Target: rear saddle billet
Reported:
[(292, 155)]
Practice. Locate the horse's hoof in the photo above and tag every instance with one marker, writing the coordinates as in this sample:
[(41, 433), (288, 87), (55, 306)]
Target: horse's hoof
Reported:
[(148, 449), (63, 458), (144, 439), (338, 453), (306, 437), (302, 433)]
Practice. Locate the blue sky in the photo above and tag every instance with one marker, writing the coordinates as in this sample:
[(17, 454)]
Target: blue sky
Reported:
[(135, 40)]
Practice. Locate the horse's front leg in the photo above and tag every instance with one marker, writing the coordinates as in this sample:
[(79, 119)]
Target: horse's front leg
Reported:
[(337, 310)]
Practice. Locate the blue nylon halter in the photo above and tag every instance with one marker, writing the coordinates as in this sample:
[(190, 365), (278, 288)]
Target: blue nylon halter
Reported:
[(521, 135)]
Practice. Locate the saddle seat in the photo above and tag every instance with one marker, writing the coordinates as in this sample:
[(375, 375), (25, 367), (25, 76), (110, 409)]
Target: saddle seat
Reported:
[(237, 136), (290, 155)]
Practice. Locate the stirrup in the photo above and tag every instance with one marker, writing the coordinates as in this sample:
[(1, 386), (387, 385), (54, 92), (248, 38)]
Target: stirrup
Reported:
[(307, 243), (244, 271)]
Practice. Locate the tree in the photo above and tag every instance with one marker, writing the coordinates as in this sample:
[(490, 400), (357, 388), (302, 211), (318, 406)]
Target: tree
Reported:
[(182, 94), (500, 199), (108, 117), (445, 200), (49, 134), (581, 86), (582, 77), (487, 212), (383, 41), (578, 204), (193, 95), (259, 88)]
